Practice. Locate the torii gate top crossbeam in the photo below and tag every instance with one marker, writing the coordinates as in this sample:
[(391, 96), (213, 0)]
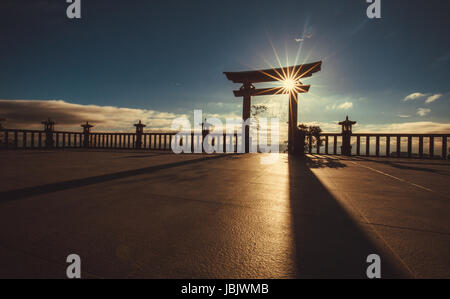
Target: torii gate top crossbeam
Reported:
[(269, 75)]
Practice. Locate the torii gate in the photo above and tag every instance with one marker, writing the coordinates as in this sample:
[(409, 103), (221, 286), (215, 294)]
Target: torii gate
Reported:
[(291, 73)]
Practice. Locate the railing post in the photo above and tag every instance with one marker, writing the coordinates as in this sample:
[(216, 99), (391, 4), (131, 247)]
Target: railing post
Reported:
[(16, 139), (40, 140), (224, 142), (326, 145), (421, 147), (444, 148), (377, 145), (367, 145), (24, 140), (335, 137), (358, 145), (6, 139), (388, 146), (431, 147), (399, 142), (318, 145), (409, 146)]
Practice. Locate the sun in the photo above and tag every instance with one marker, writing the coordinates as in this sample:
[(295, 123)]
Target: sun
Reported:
[(289, 84)]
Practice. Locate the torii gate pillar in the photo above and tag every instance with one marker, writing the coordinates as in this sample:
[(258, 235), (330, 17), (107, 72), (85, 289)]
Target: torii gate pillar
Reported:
[(246, 110), (293, 120)]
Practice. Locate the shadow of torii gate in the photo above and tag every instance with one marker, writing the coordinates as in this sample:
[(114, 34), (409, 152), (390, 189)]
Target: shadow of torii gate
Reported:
[(247, 90)]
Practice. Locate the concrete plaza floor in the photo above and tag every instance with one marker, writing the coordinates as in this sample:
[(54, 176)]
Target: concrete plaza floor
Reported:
[(158, 215)]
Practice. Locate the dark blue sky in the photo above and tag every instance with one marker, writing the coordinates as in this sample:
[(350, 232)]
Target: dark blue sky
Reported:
[(170, 55)]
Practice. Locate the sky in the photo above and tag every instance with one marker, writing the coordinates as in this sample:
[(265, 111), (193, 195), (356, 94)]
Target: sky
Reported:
[(157, 60)]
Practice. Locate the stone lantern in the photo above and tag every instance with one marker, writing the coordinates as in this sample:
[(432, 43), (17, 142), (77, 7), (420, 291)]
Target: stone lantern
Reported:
[(49, 128), (86, 131), (346, 148), (206, 129), (139, 132)]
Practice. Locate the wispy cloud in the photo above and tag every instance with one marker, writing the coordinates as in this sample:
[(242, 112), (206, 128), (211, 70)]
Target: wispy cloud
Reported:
[(423, 127), (403, 115), (433, 98), (423, 111), (430, 98), (30, 113), (343, 106), (415, 96), (444, 58), (303, 38)]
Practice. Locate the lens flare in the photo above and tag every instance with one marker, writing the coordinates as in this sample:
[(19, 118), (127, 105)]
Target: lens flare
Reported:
[(289, 84)]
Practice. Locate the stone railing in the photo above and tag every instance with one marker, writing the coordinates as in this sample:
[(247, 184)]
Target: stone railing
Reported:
[(35, 139), (383, 145)]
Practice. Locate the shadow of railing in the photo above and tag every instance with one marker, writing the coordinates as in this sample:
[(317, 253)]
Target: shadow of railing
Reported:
[(324, 162), (16, 194)]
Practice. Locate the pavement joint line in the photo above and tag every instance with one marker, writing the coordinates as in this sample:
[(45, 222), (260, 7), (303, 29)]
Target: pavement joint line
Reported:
[(406, 228), (373, 226), (398, 179), (396, 255), (367, 222)]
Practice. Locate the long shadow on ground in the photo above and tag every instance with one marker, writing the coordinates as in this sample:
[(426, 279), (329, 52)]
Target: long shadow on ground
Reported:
[(60, 186), (328, 242)]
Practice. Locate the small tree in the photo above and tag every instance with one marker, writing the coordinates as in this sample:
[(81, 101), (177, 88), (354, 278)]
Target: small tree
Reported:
[(312, 135), (255, 111)]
